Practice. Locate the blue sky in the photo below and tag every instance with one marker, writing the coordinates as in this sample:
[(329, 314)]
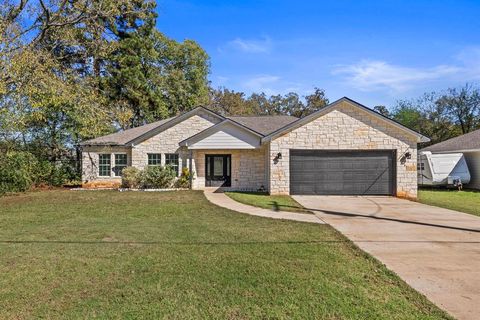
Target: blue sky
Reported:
[(375, 52)]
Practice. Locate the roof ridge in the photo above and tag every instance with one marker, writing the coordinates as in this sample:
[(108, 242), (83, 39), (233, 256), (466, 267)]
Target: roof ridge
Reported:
[(262, 115)]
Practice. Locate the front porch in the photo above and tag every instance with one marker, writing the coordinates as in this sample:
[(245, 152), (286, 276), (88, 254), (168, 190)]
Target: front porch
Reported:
[(230, 169)]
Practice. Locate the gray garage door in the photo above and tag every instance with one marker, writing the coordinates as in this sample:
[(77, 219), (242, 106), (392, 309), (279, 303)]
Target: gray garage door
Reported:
[(342, 172)]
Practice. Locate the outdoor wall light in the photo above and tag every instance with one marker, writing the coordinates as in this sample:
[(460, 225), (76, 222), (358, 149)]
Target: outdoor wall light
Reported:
[(408, 155), (279, 155)]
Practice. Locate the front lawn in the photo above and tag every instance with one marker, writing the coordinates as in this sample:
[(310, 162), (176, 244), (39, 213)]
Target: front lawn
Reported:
[(467, 201), (106, 254), (266, 201)]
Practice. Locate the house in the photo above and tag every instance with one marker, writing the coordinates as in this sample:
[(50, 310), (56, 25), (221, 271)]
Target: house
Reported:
[(469, 145), (343, 149)]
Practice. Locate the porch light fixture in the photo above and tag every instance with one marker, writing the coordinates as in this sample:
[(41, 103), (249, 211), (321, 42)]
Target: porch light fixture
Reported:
[(279, 156), (408, 155)]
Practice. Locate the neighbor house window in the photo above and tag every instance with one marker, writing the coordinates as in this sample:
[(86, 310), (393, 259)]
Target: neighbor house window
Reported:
[(154, 159), (420, 166), (171, 159), (104, 165), (120, 164)]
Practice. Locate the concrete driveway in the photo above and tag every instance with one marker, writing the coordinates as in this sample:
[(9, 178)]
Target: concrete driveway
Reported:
[(436, 251)]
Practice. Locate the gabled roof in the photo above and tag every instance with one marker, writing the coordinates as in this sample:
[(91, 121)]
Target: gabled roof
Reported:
[(302, 121), (138, 134), (258, 126), (468, 141), (215, 128), (262, 125), (123, 137)]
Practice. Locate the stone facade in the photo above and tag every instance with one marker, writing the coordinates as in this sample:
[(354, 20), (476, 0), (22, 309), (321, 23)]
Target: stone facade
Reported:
[(90, 160), (346, 127), (248, 168), (168, 140)]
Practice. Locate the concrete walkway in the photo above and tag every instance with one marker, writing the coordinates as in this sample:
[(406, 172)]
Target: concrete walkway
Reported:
[(220, 199), (435, 250)]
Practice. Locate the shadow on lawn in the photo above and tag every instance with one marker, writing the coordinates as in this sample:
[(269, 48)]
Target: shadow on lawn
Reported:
[(357, 215)]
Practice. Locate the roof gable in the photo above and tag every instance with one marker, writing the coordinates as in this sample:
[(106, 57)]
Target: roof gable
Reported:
[(138, 134), (302, 121), (124, 136), (227, 134), (174, 121)]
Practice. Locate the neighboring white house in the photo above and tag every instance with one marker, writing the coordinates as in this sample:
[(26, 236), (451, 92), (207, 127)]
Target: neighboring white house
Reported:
[(344, 148), (469, 145)]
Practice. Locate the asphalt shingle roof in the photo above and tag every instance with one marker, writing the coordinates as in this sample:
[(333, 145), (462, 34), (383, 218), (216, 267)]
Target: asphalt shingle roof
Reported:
[(468, 141), (261, 124), (264, 124), (124, 136)]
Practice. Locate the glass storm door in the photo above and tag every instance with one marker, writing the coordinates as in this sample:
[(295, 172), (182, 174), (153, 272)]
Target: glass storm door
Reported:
[(218, 170)]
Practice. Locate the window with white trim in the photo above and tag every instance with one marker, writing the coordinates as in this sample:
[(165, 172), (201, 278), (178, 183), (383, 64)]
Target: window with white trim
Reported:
[(104, 165), (120, 164), (154, 159), (171, 159)]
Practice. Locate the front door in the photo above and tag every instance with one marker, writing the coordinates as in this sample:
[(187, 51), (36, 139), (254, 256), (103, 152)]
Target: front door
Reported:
[(218, 170)]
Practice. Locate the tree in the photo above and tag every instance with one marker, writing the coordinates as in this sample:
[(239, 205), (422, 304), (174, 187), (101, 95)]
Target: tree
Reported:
[(73, 70), (229, 102), (315, 101), (151, 77), (382, 110), (463, 106), (52, 57), (425, 115)]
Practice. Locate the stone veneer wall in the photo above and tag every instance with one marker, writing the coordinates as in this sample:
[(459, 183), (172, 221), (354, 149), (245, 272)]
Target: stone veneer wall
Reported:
[(90, 162), (168, 140), (248, 168), (349, 128)]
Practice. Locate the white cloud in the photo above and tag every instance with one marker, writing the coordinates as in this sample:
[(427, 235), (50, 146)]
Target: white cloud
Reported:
[(272, 85), (261, 80), (221, 80), (377, 75), (470, 58), (251, 45)]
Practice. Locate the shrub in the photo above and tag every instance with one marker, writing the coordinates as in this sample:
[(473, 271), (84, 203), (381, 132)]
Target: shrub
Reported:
[(17, 171), (157, 177), (184, 180), (131, 177), (54, 174)]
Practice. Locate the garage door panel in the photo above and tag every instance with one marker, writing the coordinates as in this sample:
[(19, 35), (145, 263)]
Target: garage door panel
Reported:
[(342, 172)]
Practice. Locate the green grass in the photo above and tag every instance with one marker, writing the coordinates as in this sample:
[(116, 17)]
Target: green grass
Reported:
[(131, 255), (467, 201), (266, 201)]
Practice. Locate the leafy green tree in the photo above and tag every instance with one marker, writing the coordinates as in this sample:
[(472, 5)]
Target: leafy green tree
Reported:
[(463, 107), (425, 115), (52, 57), (382, 110), (151, 77), (229, 102), (315, 101)]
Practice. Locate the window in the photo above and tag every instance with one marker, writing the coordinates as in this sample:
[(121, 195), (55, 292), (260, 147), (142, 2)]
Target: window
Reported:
[(120, 164), (421, 166), (171, 159), (104, 165), (154, 159)]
